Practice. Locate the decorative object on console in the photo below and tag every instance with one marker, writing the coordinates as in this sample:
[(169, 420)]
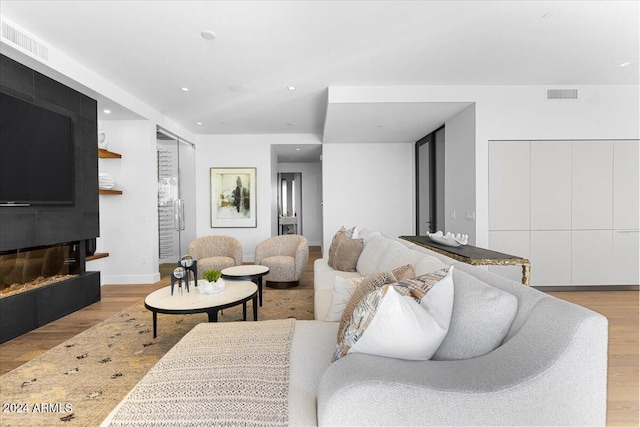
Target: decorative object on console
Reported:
[(212, 282), (449, 239), (233, 197), (102, 139), (405, 320), (177, 276)]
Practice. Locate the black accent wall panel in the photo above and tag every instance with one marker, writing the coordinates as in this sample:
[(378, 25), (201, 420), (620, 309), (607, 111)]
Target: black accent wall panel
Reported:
[(23, 227), (16, 79)]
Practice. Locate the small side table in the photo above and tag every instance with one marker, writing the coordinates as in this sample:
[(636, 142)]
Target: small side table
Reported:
[(247, 272)]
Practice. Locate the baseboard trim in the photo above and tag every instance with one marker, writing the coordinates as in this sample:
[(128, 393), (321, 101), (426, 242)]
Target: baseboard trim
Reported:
[(596, 288), (138, 279)]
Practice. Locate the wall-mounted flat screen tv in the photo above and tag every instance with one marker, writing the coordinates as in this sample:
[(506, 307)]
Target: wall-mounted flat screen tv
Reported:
[(36, 154)]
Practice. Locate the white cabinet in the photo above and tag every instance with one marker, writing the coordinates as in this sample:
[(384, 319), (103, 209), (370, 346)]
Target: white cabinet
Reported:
[(512, 243), (551, 185), (592, 257), (550, 258), (571, 207), (625, 257), (592, 185), (626, 161), (509, 180)]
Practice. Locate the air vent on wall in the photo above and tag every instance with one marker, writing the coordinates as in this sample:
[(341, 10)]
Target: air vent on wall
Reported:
[(24, 42), (562, 93)]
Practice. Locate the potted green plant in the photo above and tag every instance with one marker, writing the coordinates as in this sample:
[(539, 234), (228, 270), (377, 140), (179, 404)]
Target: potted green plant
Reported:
[(213, 282)]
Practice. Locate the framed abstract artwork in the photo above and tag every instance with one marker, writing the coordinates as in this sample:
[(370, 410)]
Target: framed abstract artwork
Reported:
[(233, 197)]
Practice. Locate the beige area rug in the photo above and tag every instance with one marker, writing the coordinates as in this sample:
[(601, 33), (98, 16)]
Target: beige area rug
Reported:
[(80, 381)]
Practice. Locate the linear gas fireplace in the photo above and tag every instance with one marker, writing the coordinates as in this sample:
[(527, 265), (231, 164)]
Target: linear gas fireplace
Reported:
[(41, 284), (22, 270)]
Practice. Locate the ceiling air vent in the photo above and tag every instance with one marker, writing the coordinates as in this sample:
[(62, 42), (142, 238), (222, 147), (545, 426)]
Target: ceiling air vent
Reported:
[(562, 93), (24, 42)]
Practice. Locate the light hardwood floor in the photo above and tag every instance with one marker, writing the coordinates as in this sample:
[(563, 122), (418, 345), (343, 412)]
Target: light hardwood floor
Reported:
[(621, 308)]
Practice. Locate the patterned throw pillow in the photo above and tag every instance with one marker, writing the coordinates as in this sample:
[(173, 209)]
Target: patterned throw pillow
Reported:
[(347, 253), (404, 272), (345, 250), (352, 233), (405, 320), (340, 236), (369, 284), (417, 287)]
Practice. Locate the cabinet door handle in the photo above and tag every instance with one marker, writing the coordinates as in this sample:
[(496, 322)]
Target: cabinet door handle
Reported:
[(627, 231)]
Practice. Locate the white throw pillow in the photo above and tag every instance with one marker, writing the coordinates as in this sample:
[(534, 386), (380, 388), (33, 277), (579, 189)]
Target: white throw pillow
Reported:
[(342, 291), (390, 322)]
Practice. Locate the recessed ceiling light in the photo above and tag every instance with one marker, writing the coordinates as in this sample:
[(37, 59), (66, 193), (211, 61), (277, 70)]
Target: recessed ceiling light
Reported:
[(184, 89), (625, 64), (238, 89), (291, 88), (208, 35), (107, 111), (297, 148), (199, 123)]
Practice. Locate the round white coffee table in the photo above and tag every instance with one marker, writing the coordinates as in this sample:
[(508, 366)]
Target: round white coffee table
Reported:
[(183, 302), (251, 272)]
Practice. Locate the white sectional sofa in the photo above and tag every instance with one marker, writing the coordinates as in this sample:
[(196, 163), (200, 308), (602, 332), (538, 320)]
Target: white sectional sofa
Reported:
[(512, 356), (545, 365)]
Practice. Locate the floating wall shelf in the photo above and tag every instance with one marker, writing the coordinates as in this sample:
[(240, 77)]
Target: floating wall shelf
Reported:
[(106, 154), (98, 255), (110, 192)]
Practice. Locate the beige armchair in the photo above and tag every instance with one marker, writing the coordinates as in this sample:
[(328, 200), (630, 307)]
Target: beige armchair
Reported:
[(215, 252), (286, 256)]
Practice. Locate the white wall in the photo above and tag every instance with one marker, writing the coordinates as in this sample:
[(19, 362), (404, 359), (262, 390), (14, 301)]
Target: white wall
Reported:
[(241, 151), (311, 198), (368, 185), (460, 172), (129, 222), (517, 113)]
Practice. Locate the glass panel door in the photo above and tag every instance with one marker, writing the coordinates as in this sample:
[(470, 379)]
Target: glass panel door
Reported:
[(176, 197), (187, 193)]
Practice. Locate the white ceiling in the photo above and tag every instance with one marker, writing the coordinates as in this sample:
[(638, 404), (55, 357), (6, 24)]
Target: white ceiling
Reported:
[(238, 82)]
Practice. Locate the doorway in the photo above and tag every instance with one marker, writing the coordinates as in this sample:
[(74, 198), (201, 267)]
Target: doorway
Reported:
[(430, 169), (290, 203), (176, 196), (305, 160)]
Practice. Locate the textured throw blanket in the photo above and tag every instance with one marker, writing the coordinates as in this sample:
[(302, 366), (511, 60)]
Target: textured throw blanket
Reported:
[(219, 374)]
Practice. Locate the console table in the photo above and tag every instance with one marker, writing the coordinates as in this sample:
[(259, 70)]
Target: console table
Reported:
[(473, 255)]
